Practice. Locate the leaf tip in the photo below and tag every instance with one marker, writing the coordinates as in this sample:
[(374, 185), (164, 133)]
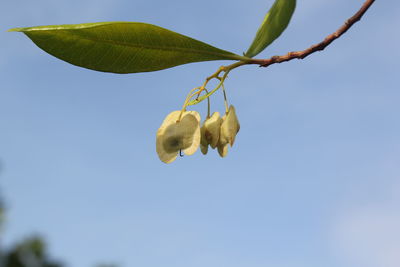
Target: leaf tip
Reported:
[(15, 30)]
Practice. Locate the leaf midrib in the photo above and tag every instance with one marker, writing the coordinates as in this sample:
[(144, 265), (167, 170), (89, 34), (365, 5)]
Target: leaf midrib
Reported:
[(227, 55)]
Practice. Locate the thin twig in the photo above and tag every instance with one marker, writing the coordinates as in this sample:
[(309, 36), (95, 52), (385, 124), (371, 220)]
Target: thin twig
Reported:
[(279, 59), (317, 47)]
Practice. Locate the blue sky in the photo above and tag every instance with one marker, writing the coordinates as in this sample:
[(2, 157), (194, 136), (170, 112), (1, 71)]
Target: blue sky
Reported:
[(313, 178)]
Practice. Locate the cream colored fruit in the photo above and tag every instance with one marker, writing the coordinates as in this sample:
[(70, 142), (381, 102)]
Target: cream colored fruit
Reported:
[(203, 141), (212, 127), (229, 127), (223, 150), (174, 135)]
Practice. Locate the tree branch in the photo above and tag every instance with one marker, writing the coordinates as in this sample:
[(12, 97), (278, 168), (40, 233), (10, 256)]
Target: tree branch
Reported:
[(317, 47)]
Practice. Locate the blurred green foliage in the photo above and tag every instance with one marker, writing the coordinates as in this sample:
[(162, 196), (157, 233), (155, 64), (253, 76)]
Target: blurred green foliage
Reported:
[(30, 252)]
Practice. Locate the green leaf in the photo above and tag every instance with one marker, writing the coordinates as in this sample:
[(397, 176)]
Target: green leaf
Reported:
[(122, 47), (275, 22)]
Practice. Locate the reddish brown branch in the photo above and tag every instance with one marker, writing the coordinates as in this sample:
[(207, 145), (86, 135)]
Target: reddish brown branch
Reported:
[(317, 47)]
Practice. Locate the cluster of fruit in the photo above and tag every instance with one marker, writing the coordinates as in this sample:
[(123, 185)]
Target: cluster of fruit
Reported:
[(181, 131)]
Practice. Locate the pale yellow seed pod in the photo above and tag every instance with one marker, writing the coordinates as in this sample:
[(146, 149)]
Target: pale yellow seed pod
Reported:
[(223, 150), (222, 144), (174, 135), (229, 127), (212, 129), (204, 149), (203, 141), (210, 132)]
